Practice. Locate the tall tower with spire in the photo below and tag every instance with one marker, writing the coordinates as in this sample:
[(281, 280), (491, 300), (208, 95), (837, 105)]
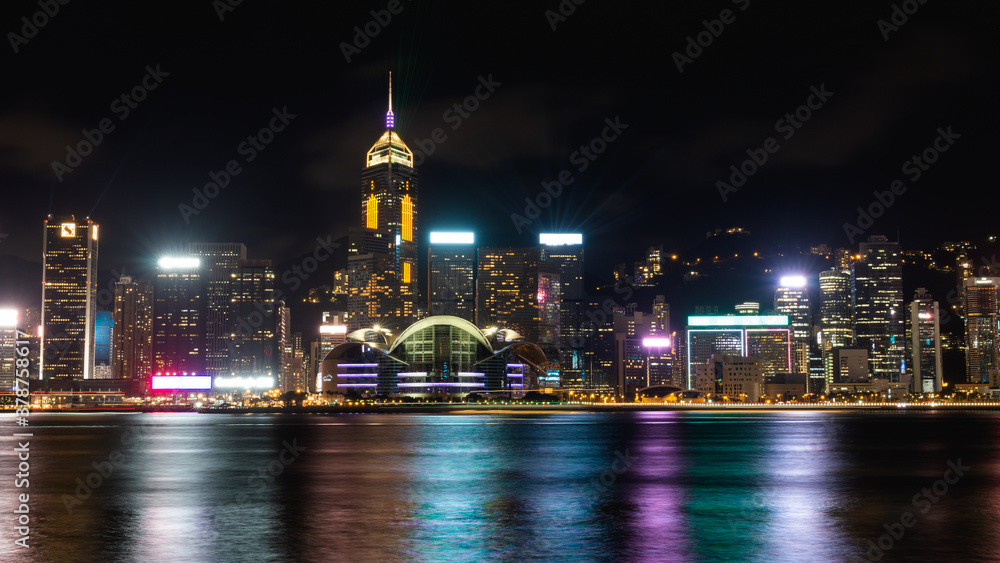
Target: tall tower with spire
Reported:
[(384, 249)]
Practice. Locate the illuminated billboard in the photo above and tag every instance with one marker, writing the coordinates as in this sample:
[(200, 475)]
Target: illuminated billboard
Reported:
[(182, 383), (793, 281), (739, 320), (246, 382), (8, 318), (178, 262), (656, 342), (332, 329), (438, 237), (557, 239)]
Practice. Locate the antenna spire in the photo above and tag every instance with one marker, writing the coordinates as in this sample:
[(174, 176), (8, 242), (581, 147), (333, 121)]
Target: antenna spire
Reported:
[(390, 119)]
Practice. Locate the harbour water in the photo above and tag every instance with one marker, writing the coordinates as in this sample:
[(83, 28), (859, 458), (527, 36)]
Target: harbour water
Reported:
[(568, 486)]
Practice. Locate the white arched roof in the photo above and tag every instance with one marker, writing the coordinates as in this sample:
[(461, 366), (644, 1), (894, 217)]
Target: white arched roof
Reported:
[(449, 320)]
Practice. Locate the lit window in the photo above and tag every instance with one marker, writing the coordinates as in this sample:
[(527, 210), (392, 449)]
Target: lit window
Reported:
[(407, 218), (372, 213)]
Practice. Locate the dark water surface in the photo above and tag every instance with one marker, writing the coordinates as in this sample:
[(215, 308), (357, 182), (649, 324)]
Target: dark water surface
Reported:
[(643, 486)]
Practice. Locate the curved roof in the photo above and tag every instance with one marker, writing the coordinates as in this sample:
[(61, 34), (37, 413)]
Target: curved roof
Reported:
[(449, 320)]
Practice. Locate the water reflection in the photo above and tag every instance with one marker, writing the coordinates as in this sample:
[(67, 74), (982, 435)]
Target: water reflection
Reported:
[(645, 486)]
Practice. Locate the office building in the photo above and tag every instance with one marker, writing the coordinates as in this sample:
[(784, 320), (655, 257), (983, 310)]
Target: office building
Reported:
[(451, 271), (178, 317), (255, 347), (982, 336), (103, 334), (925, 343), (132, 342), (878, 308), (516, 289), (792, 298), (565, 252), (836, 322), (218, 262), (69, 298), (734, 377), (9, 346), (386, 294)]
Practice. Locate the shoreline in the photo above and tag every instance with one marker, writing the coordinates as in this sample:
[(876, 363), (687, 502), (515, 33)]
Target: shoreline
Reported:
[(472, 409)]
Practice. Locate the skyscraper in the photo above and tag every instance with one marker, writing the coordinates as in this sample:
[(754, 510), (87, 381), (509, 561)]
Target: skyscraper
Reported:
[(389, 206), (878, 307), (517, 289), (792, 298), (925, 339), (69, 298), (982, 336), (218, 262), (178, 317), (103, 333), (9, 346), (132, 344), (451, 274), (565, 252), (254, 349), (835, 319)]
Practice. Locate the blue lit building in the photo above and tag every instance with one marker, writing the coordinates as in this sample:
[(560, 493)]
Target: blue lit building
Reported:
[(103, 328)]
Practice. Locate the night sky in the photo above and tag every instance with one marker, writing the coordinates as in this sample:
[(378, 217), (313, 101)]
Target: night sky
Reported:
[(218, 81)]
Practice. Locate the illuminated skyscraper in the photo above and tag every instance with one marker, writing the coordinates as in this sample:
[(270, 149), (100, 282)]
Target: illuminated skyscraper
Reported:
[(69, 298), (103, 333), (218, 262), (878, 308), (132, 345), (835, 318), (982, 336), (179, 317), (9, 346), (565, 252), (451, 274), (925, 339), (792, 298), (389, 206), (255, 318), (766, 337), (516, 289)]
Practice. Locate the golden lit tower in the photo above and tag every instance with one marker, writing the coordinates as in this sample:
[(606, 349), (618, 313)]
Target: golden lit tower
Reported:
[(389, 208)]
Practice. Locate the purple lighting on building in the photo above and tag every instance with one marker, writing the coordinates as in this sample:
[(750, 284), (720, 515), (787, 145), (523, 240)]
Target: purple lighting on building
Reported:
[(440, 384), (656, 342)]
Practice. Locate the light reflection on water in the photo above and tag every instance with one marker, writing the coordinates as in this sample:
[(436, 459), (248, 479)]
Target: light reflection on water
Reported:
[(697, 486)]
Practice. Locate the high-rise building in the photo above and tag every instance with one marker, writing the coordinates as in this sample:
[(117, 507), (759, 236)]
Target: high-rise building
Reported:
[(836, 323), (565, 251), (388, 209), (792, 298), (69, 298), (332, 331), (9, 346), (643, 354), (878, 308), (982, 336), (518, 290), (925, 343), (451, 271), (218, 262), (255, 349), (179, 317), (132, 344)]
